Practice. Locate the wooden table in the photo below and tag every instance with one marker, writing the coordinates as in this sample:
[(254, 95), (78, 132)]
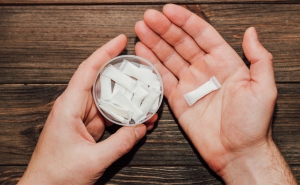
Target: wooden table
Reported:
[(43, 42)]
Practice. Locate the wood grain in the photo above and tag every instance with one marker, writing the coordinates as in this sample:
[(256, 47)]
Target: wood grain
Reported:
[(133, 175), (140, 175), (45, 44), (122, 2), (24, 109)]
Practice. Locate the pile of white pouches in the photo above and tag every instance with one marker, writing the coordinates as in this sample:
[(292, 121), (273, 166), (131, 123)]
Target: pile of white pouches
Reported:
[(130, 93)]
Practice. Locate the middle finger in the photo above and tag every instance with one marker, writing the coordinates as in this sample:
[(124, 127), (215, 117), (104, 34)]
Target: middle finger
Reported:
[(183, 43), (164, 52)]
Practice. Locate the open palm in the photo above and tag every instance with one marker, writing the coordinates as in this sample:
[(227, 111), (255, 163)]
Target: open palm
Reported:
[(188, 51)]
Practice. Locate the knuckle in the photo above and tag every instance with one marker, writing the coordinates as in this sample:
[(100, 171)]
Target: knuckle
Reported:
[(125, 145), (56, 108), (274, 94), (97, 132), (81, 64), (270, 56)]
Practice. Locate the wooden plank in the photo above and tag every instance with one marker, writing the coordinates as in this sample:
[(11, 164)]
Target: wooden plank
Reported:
[(45, 44), (116, 2), (11, 174), (24, 109), (133, 175), (140, 175)]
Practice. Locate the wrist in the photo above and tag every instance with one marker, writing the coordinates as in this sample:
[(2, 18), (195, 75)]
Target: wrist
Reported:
[(260, 165), (34, 176), (37, 172)]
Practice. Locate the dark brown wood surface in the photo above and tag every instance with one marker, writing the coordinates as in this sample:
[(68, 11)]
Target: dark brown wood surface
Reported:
[(41, 47), (45, 44), (117, 2)]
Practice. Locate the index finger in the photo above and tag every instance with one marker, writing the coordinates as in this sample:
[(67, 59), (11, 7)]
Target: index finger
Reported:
[(77, 97)]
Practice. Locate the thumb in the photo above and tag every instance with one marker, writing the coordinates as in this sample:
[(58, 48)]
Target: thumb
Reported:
[(119, 143), (261, 68)]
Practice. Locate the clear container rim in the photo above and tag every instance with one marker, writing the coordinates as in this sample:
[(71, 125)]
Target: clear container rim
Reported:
[(135, 57)]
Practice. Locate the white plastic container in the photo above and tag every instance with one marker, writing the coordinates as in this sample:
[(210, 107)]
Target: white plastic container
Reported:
[(116, 62)]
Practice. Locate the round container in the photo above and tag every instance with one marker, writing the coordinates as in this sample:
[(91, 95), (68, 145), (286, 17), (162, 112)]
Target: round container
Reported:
[(116, 62)]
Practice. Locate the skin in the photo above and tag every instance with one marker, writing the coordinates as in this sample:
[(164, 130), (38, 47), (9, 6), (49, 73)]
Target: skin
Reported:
[(67, 151), (230, 127)]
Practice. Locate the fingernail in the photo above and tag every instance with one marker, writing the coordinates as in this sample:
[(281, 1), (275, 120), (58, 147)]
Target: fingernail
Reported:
[(254, 33), (140, 131)]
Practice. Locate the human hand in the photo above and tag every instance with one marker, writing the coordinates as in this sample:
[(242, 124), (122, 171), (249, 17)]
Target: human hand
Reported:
[(67, 151), (230, 127)]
